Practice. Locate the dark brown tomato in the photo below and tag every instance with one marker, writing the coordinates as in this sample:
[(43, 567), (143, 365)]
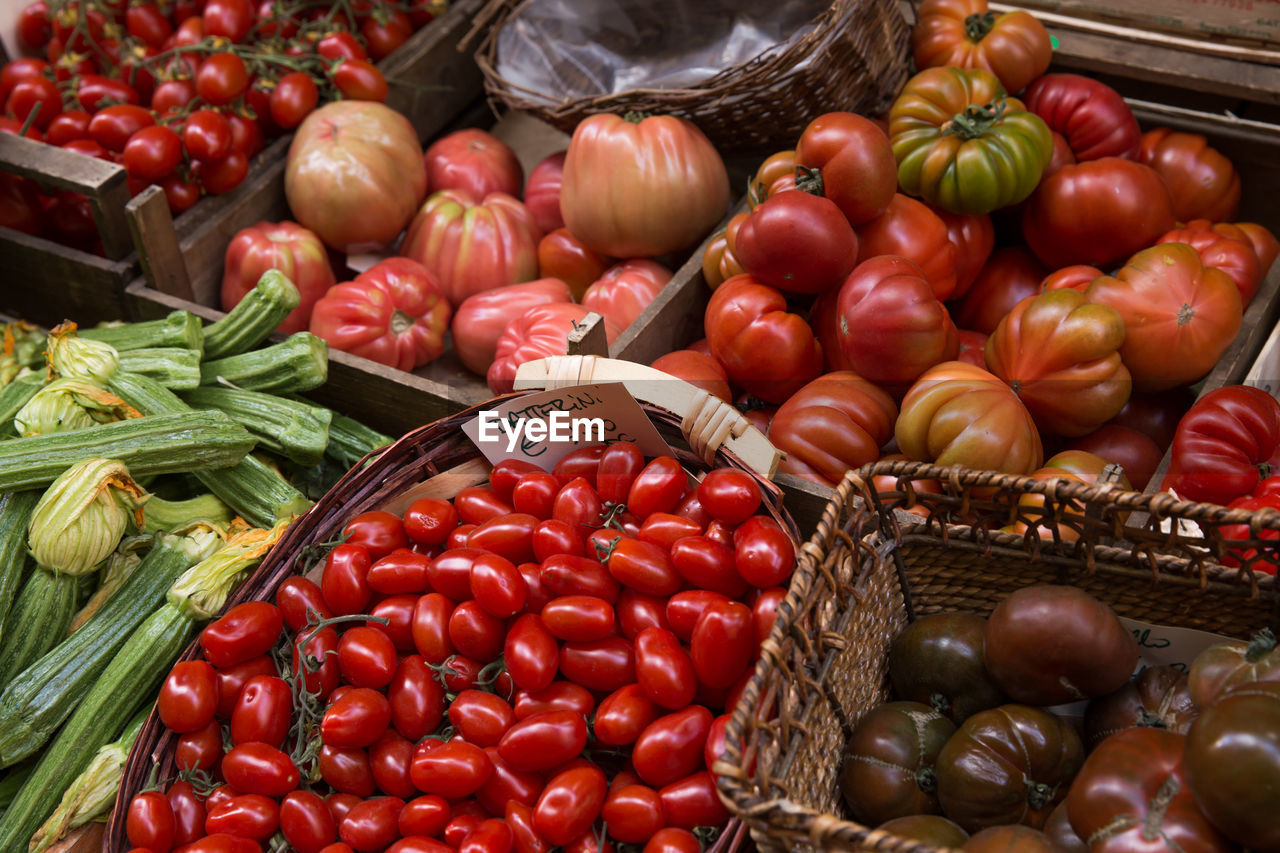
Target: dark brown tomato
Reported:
[(1010, 764), (1157, 696), (938, 660), (932, 829), (1223, 666), (1010, 839), (1049, 644), (888, 762)]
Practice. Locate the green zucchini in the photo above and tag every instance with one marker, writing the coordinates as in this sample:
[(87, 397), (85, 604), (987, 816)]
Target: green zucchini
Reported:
[(37, 621), (179, 329), (174, 368), (161, 514), (251, 488), (159, 444), (15, 516), (296, 431), (253, 318), (298, 363), (14, 396), (36, 701), (350, 441), (12, 783)]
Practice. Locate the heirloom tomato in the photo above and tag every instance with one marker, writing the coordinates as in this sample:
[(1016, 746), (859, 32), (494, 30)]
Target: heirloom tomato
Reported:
[(1202, 181), (719, 262), (1014, 46), (911, 230), (888, 762), (1072, 465), (938, 660), (394, 313), (1225, 666), (1098, 212), (1077, 277), (624, 290), (974, 237), (890, 326), (1060, 354), (354, 174), (473, 245), (1263, 241), (1234, 256), (674, 189), (1179, 317), (561, 255), (1157, 696), (824, 319), (835, 423), (697, 369), (958, 414), (474, 161), (1011, 275), (961, 143), (1135, 452), (847, 158), (542, 192), (1224, 445), (776, 173), (481, 319), (537, 333), (766, 350), (20, 205), (1091, 116)]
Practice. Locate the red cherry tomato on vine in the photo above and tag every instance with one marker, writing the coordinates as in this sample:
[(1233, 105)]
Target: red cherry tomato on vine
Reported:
[(359, 80), (152, 153), (552, 537), (246, 136), (221, 78), (147, 23), (188, 812), (300, 602), (535, 494), (425, 816), (708, 563), (578, 618), (244, 632), (207, 135), (188, 697), (201, 749), (315, 656), (293, 99), (634, 814), (672, 839), (347, 771), (665, 529), (692, 802), (384, 31), (340, 45), (68, 126), (180, 195), (232, 19), (37, 95)]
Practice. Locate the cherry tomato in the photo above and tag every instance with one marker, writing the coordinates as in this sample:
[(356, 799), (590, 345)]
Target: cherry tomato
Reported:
[(356, 719), (33, 26), (256, 768), (378, 531), (340, 805), (764, 607), (366, 657), (589, 842), (384, 31), (301, 602), (246, 631), (644, 567), (496, 584), (718, 531), (579, 618), (402, 571), (172, 95), (583, 462), (543, 741), (620, 463), (556, 696), (524, 835), (506, 784), (347, 771), (188, 697), (152, 153), (431, 627), (246, 816), (452, 769), (480, 717), (764, 555), (671, 747), (663, 669), (416, 699), (430, 520), (150, 822), (220, 795), (148, 24), (578, 505), (222, 176), (263, 713), (723, 643), (95, 92), (507, 474), (315, 656), (232, 679), (531, 653), (657, 488), (23, 68), (565, 575), (633, 814), (672, 839), (478, 504), (232, 19), (188, 813), (246, 136), (306, 823), (389, 760), (552, 537), (37, 95), (685, 608), (693, 802), (731, 496), (181, 195), (345, 581), (293, 98), (359, 80), (538, 594), (603, 665), (450, 572), (637, 612), (67, 127), (623, 715), (535, 494), (426, 816), (398, 611), (459, 827), (474, 632), (371, 825), (570, 804), (207, 135), (707, 563), (665, 529)]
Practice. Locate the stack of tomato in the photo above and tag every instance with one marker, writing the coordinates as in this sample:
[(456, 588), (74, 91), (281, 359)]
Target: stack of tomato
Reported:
[(183, 95), (545, 661), (1171, 759), (939, 281)]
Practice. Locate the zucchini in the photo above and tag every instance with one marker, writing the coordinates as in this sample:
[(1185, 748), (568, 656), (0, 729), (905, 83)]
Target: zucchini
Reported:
[(15, 516), (349, 440), (251, 488), (179, 329), (38, 621), (160, 514), (253, 318), (158, 444), (13, 782), (296, 431), (36, 701), (14, 396), (172, 367), (298, 363)]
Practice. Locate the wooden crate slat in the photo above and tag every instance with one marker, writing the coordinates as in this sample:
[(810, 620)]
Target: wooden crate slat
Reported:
[(152, 229), (56, 168), (88, 288)]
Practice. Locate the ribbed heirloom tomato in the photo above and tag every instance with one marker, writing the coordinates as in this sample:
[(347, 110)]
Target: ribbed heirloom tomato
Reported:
[(1014, 46)]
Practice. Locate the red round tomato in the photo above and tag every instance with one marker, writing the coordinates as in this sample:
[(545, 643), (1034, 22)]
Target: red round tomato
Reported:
[(263, 713), (152, 153), (570, 804), (624, 290), (474, 161), (729, 495), (847, 159), (306, 823), (292, 100), (563, 256), (232, 19), (1135, 452), (384, 31), (112, 126), (672, 839), (1010, 276), (797, 242), (38, 95), (429, 521), (909, 229), (222, 78), (150, 822), (835, 423), (206, 135), (540, 332), (394, 313), (378, 531), (723, 644), (341, 45), (1202, 181), (256, 768), (284, 246), (542, 193)]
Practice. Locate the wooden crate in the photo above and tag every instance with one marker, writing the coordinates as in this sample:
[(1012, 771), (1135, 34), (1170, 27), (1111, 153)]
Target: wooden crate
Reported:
[(429, 80)]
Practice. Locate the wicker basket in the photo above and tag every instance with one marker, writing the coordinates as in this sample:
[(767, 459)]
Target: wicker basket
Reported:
[(437, 460), (869, 570), (855, 59)]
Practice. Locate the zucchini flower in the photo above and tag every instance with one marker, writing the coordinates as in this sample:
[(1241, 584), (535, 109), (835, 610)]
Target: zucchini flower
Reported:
[(75, 357), (93, 793), (114, 573), (203, 589), (23, 345), (70, 404), (82, 516)]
